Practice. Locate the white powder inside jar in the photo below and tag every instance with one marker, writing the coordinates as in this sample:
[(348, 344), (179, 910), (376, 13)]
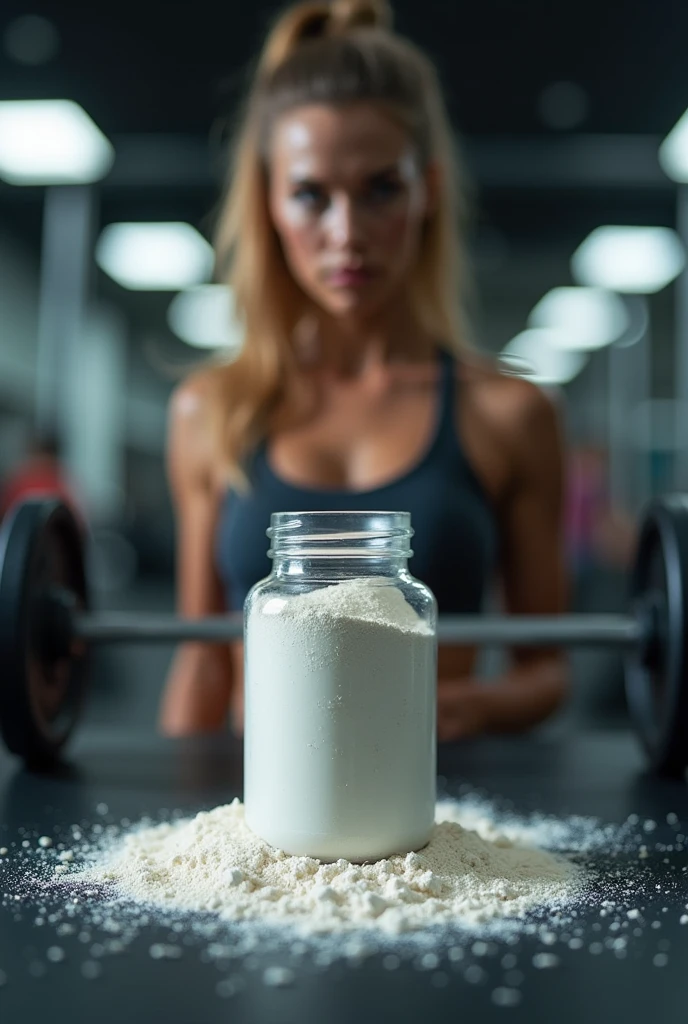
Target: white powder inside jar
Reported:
[(368, 599), (340, 721), (214, 863)]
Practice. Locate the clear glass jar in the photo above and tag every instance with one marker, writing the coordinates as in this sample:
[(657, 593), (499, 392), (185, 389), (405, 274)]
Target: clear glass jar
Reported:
[(341, 690)]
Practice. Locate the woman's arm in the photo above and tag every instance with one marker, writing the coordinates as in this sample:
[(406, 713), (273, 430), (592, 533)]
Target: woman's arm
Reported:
[(534, 582), (198, 688)]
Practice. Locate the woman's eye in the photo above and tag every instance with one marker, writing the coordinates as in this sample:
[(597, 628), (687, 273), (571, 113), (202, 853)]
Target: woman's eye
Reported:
[(383, 189), (309, 195)]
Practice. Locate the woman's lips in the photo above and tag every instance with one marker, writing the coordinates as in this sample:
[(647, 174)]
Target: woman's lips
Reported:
[(349, 277)]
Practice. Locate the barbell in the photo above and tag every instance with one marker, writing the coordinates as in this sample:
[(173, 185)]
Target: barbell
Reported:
[(47, 630)]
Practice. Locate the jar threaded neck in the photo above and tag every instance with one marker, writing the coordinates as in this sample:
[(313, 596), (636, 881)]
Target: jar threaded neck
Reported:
[(346, 535)]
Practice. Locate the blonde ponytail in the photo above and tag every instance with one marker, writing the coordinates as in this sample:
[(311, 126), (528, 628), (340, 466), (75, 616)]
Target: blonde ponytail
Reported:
[(346, 15), (303, 21), (315, 20)]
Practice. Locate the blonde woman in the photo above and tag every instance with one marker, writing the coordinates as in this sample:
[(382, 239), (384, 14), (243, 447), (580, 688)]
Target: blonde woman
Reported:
[(356, 387)]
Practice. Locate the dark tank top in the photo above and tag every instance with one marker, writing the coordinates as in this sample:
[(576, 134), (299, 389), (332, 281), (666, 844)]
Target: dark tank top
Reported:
[(455, 536)]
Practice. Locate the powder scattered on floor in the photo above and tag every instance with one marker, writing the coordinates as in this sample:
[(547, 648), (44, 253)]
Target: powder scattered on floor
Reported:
[(278, 977), (620, 904), (214, 863)]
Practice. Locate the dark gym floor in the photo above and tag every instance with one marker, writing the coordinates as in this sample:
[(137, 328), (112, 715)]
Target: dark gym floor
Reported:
[(598, 774)]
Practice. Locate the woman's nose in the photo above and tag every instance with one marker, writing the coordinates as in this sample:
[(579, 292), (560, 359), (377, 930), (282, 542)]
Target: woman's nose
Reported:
[(343, 223)]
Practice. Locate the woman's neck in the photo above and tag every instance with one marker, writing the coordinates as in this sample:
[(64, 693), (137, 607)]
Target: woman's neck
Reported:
[(348, 345)]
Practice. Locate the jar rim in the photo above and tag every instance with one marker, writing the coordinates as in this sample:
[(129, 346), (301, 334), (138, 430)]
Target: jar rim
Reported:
[(338, 534)]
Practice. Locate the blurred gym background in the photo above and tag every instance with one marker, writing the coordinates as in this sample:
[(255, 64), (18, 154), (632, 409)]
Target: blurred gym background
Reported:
[(569, 119)]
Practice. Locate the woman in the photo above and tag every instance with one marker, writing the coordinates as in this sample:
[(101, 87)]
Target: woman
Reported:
[(356, 387)]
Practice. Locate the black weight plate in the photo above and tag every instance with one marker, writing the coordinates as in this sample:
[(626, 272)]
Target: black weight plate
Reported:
[(657, 674), (41, 682)]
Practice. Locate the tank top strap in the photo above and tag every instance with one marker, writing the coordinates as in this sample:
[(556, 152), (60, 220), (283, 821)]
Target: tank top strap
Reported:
[(446, 433)]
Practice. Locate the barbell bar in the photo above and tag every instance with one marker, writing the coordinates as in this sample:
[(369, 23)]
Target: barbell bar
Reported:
[(515, 631), (47, 630)]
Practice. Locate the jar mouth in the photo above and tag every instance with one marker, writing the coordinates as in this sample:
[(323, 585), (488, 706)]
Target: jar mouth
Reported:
[(369, 534)]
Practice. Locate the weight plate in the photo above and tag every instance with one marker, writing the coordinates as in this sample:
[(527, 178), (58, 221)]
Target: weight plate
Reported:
[(42, 675), (657, 673)]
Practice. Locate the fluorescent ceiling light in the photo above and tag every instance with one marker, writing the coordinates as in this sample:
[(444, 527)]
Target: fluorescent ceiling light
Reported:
[(204, 317), (538, 353), (629, 259), (673, 153), (583, 318), (154, 257), (51, 142)]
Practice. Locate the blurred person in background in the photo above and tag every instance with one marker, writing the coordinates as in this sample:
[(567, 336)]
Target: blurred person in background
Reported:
[(598, 533), (601, 539), (357, 387), (40, 473)]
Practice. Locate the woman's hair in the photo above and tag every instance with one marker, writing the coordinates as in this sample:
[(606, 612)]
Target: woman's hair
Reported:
[(334, 53)]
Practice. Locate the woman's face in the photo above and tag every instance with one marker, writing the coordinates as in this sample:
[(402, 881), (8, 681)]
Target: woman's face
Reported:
[(348, 201)]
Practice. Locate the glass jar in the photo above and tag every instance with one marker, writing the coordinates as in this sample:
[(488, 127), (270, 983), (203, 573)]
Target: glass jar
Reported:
[(341, 690)]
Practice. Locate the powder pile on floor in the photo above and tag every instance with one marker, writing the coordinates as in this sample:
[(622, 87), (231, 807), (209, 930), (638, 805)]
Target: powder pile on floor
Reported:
[(626, 901), (214, 863)]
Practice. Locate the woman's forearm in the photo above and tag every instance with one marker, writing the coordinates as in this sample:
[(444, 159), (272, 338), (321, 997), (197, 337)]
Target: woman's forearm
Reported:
[(525, 696), (197, 692), (517, 700)]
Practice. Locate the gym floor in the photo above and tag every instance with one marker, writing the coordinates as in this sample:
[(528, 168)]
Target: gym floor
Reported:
[(47, 970)]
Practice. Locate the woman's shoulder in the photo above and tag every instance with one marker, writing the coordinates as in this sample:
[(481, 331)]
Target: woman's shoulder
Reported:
[(194, 407), (485, 378), (196, 396), (515, 406)]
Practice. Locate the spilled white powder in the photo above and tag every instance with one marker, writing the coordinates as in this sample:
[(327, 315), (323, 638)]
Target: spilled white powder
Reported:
[(214, 863), (617, 904)]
